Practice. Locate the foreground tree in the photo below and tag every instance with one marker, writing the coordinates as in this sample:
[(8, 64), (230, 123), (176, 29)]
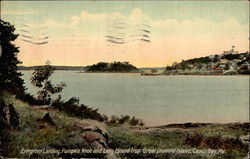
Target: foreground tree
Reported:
[(9, 76), (9, 80), (40, 78)]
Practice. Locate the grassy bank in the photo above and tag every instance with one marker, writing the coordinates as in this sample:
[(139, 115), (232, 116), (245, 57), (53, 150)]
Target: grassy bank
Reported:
[(69, 133), (34, 133), (214, 136)]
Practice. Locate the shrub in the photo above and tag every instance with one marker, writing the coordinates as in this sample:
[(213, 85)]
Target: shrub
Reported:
[(114, 120), (26, 97), (134, 121), (124, 119), (105, 118), (141, 123), (73, 108), (58, 102)]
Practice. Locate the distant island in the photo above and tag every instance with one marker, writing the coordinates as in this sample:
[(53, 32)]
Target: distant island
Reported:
[(229, 63), (69, 68), (99, 67), (85, 68), (112, 67)]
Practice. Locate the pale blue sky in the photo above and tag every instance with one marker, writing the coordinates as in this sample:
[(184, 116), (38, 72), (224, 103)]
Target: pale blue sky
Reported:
[(180, 10)]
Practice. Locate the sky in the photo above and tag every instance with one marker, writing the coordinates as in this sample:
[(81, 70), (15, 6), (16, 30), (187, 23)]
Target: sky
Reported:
[(144, 33)]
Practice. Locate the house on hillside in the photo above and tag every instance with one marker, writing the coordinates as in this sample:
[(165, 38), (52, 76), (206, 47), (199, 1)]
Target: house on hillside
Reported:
[(245, 66), (211, 66), (232, 51)]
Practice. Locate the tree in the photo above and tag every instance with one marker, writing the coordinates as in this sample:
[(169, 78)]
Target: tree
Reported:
[(9, 76), (111, 67), (216, 58), (168, 68), (134, 121), (124, 119), (40, 78), (114, 119)]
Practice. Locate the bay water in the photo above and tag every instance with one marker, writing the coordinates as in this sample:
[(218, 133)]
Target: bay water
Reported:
[(158, 100)]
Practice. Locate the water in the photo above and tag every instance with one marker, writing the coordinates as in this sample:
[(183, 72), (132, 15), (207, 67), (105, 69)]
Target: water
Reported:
[(158, 100)]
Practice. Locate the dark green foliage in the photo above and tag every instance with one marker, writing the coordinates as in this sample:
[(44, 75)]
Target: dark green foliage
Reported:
[(216, 58), (105, 118), (114, 120), (231, 56), (124, 119), (26, 97), (188, 125), (41, 74), (168, 68), (184, 64), (58, 102), (40, 78), (111, 67), (49, 89), (134, 121), (101, 66), (141, 123), (198, 60), (73, 108), (9, 77)]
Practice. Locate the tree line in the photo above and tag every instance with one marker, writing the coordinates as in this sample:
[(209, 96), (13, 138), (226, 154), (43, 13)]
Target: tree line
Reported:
[(111, 67)]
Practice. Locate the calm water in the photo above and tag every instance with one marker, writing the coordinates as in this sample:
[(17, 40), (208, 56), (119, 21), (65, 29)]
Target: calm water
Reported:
[(160, 99)]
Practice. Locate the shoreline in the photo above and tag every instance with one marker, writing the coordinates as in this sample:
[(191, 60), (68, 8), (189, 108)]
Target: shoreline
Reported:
[(148, 75), (186, 125)]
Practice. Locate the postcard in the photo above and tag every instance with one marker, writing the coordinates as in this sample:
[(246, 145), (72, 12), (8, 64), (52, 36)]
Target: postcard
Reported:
[(124, 79)]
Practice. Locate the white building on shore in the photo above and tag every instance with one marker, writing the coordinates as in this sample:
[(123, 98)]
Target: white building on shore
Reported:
[(232, 51)]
